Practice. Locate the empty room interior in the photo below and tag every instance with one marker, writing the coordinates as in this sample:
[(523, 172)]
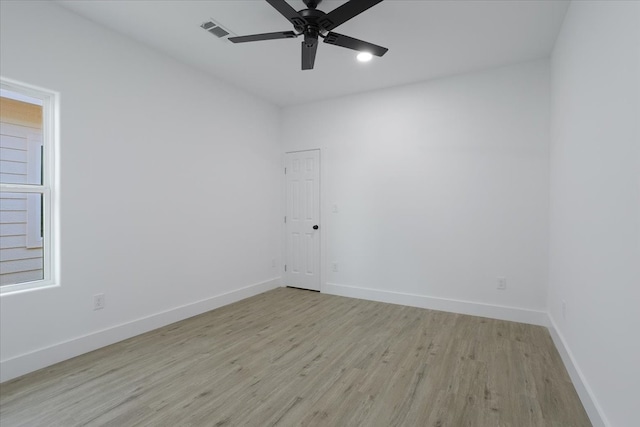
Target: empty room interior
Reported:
[(416, 213)]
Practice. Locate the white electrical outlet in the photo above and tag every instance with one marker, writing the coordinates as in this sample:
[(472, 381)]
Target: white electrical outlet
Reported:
[(502, 283), (273, 262), (564, 309), (98, 301), (334, 267)]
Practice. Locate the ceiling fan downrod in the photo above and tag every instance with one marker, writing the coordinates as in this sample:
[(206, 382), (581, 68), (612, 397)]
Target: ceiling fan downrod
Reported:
[(312, 4)]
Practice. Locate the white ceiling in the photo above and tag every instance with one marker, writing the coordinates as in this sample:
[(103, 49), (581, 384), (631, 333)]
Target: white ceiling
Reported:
[(426, 39)]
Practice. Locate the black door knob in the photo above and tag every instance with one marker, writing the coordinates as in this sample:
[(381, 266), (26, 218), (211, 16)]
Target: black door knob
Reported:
[(315, 227)]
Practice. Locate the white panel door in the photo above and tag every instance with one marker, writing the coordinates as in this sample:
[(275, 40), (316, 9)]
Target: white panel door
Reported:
[(302, 220)]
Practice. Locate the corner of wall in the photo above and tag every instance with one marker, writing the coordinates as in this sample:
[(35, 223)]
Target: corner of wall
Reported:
[(595, 412)]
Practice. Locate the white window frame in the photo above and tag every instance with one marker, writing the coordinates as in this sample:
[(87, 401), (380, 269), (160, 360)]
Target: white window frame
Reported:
[(49, 188), (34, 203)]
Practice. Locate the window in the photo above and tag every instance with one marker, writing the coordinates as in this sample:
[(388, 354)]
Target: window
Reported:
[(28, 135)]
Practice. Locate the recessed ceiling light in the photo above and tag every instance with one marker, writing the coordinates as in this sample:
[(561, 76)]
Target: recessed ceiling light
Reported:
[(364, 57)]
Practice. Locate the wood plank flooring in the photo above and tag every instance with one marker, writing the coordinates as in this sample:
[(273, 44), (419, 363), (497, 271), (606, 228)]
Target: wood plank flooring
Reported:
[(290, 357)]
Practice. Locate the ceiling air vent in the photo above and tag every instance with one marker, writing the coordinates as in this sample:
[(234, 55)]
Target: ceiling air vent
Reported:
[(216, 29)]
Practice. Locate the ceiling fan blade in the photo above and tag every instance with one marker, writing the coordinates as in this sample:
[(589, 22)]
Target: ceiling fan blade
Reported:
[(290, 13), (342, 14), (265, 36), (309, 55), (355, 44)]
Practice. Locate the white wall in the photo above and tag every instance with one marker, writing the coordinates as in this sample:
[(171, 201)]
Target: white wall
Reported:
[(595, 204), (441, 187), (168, 197)]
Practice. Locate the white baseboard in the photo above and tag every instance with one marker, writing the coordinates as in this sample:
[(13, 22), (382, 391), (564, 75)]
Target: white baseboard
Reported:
[(513, 314), (38, 359), (594, 410)]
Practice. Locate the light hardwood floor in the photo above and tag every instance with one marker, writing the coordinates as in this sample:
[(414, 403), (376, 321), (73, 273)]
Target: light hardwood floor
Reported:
[(291, 357)]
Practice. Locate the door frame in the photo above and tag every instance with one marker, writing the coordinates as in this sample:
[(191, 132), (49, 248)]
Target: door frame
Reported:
[(321, 216)]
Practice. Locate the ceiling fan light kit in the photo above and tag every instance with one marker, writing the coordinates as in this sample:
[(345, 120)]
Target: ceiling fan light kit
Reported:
[(314, 24), (364, 57)]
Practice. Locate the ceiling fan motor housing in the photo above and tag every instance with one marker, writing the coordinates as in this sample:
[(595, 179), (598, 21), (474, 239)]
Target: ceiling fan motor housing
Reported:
[(312, 30)]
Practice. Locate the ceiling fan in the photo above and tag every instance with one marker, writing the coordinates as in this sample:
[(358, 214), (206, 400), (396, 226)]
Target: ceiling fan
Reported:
[(314, 23)]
